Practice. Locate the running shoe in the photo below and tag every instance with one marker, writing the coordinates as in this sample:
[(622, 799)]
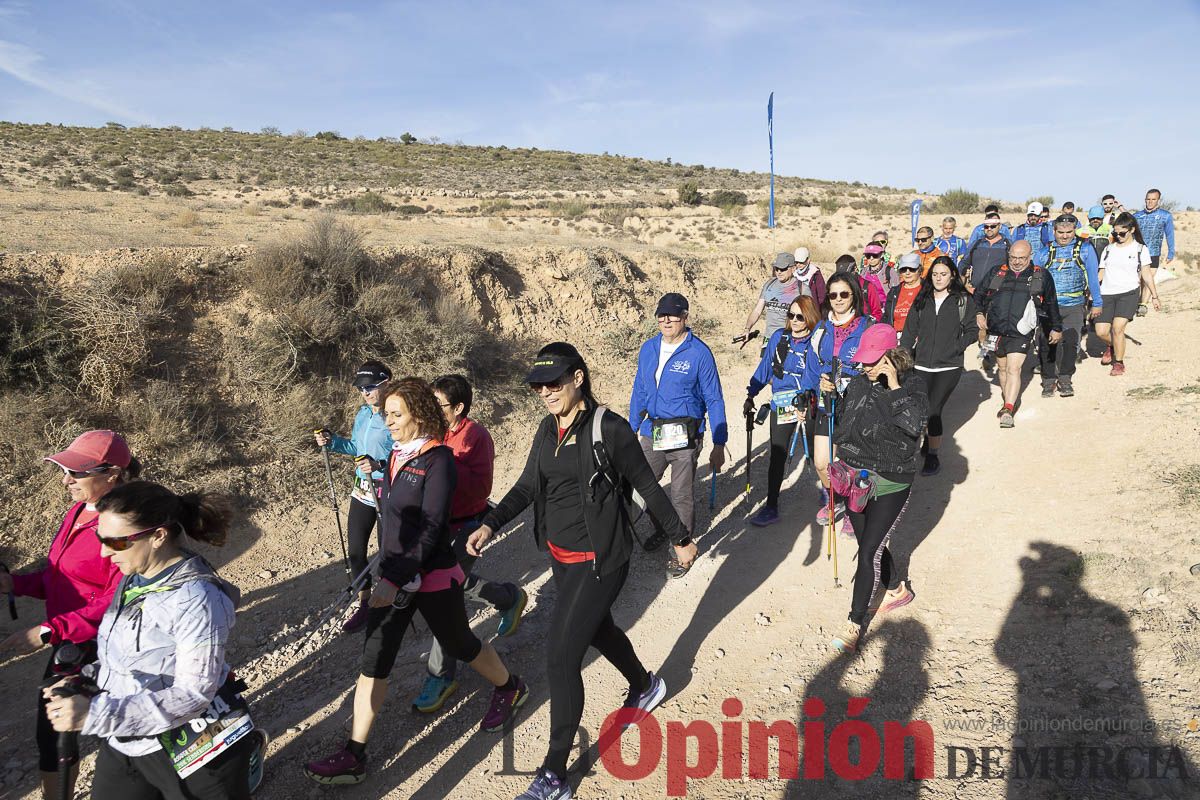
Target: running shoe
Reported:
[(1142, 310), (1006, 419), (1107, 358), (547, 786), (674, 568), (434, 694), (504, 705), (847, 526), (1048, 388), (1001, 412), (648, 700), (341, 768), (1065, 389), (932, 465), (356, 620), (903, 597), (1118, 368), (847, 641), (510, 618), (765, 516), (654, 541), (257, 758)]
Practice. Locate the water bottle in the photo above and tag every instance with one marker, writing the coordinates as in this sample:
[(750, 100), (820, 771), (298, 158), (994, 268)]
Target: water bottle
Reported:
[(862, 480), (405, 595)]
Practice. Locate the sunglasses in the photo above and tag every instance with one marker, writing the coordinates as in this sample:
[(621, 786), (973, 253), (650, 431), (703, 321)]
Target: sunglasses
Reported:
[(872, 255), (79, 474), (990, 227), (924, 238), (841, 295), (1120, 234), (783, 269), (553, 386), (371, 387), (668, 318), (794, 316), (122, 543), (908, 269)]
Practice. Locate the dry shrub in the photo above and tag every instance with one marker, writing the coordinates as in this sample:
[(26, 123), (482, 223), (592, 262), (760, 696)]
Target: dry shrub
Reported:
[(188, 219), (176, 432)]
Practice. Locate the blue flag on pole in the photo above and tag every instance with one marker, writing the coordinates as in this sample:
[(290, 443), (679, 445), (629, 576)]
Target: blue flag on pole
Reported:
[(915, 213), (771, 148)]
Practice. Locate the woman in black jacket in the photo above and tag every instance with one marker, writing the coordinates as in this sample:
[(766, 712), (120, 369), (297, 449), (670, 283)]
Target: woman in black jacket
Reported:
[(575, 485), (941, 326), (878, 429), (417, 572)]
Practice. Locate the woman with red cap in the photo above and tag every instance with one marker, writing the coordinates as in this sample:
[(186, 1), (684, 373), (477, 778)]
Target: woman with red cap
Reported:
[(879, 425), (77, 583)]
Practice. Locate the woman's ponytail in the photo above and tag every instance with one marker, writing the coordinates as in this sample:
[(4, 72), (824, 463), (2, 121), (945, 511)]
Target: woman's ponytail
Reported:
[(203, 517)]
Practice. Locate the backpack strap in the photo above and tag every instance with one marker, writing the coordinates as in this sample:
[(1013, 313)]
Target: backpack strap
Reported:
[(604, 466)]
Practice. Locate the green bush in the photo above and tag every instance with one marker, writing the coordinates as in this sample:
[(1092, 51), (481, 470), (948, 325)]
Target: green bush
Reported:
[(568, 209), (365, 203), (689, 193), (410, 209), (958, 201), (1046, 200), (829, 205), (177, 190), (64, 181), (727, 197)]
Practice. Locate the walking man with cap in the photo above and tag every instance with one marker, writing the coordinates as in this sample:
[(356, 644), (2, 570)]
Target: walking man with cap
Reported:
[(810, 276), (777, 294), (675, 387), (1035, 230), (1071, 262), (948, 243), (927, 249), (990, 210), (1097, 231), (985, 253)]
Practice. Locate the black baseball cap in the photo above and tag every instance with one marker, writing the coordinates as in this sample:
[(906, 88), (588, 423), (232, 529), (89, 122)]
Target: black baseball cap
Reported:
[(552, 362), (672, 304), (371, 373)]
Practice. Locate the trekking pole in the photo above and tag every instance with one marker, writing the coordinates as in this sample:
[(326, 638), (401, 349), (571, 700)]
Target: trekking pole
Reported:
[(337, 515), (832, 552), (68, 662), (712, 490), (342, 597), (12, 597), (749, 447)]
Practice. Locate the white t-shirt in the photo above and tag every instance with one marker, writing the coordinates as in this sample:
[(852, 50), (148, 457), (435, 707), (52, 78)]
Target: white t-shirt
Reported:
[(664, 355), (1120, 265)]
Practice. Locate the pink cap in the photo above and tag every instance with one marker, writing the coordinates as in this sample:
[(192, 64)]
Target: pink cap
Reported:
[(873, 250), (875, 341), (91, 449)]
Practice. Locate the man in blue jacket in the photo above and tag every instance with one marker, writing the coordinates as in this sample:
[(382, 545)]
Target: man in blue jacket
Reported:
[(1073, 265), (1157, 225), (990, 210), (676, 385), (1039, 234)]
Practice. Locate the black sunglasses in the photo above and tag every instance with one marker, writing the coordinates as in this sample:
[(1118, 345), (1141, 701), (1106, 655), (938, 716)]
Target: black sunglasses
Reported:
[(78, 474), (792, 315), (553, 386), (121, 543), (371, 387), (841, 295), (909, 269), (783, 269), (924, 238)]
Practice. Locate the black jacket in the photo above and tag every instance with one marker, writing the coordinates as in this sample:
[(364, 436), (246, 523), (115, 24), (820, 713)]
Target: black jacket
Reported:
[(939, 338), (1002, 302), (880, 429), (608, 526), (414, 515)]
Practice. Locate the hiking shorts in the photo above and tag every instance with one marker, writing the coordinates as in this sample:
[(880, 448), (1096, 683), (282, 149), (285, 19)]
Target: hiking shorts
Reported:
[(1011, 345), (1154, 261), (1120, 305)]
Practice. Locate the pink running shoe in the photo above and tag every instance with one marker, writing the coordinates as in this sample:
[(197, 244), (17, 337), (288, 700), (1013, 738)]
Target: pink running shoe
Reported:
[(341, 768)]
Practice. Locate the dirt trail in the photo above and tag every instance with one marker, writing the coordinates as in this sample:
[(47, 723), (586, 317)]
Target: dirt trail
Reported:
[(1106, 624)]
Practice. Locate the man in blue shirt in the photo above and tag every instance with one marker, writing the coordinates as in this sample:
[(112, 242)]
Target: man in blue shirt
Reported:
[(1039, 234), (1073, 265), (1157, 225), (676, 385), (990, 210), (948, 243)]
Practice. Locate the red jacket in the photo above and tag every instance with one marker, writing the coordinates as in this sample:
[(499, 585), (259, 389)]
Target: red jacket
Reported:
[(77, 583), (474, 454)]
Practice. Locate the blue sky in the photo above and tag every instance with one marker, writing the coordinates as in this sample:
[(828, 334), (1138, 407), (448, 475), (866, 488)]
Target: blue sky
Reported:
[(1066, 99)]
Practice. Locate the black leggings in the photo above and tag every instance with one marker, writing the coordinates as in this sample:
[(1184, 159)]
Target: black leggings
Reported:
[(151, 777), (360, 521), (442, 611), (939, 385), (582, 618), (781, 442), (873, 528)]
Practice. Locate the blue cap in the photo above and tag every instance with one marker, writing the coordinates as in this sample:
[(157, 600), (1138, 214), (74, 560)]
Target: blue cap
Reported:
[(1096, 212)]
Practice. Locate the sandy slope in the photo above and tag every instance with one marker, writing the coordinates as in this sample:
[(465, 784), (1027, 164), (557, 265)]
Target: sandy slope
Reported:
[(1102, 622)]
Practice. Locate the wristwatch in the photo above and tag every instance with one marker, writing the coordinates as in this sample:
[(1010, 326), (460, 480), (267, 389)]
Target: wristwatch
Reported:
[(684, 542)]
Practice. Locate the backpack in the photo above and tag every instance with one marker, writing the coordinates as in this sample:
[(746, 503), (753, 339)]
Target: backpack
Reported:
[(1075, 253), (1038, 277), (819, 335)]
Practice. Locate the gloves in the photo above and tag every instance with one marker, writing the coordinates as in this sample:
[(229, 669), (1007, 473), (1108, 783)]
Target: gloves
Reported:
[(748, 408)]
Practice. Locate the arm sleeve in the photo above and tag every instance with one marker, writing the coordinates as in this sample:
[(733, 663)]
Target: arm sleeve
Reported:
[(968, 334), (80, 625), (340, 444), (910, 408), (1050, 304), (818, 286), (475, 459), (1092, 266), (400, 565), (637, 397), (522, 493), (627, 456), (30, 584), (1169, 236), (908, 336), (762, 375), (202, 622), (714, 399)]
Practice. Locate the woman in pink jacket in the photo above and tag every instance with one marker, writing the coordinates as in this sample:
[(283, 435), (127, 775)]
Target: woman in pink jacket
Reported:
[(76, 583)]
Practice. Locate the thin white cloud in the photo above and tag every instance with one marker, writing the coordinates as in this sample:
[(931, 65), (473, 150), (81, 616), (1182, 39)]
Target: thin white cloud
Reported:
[(24, 64)]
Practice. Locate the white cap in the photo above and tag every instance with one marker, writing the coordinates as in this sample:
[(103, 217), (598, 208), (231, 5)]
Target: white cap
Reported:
[(801, 255), (1036, 208)]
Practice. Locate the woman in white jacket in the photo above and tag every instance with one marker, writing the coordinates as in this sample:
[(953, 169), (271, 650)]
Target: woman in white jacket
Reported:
[(169, 711)]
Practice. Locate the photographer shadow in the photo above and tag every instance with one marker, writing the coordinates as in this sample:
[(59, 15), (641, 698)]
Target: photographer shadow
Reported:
[(1073, 655)]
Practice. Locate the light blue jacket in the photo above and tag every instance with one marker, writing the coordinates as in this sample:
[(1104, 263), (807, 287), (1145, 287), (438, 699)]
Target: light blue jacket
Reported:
[(689, 387), (368, 437)]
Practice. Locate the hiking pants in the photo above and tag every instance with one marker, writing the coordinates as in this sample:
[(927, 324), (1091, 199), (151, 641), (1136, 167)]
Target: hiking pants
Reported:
[(873, 528), (781, 443), (939, 386), (360, 521), (444, 613), (502, 596), (683, 479), (1058, 360), (582, 618), (151, 777)]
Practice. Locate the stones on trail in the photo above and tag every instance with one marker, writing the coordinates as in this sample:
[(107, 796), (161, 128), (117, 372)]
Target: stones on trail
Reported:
[(719, 653), (762, 619), (266, 574), (1106, 684), (1195, 570), (1153, 596)]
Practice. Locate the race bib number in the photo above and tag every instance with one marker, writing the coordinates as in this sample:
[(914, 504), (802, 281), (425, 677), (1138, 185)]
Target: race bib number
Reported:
[(670, 436), (786, 411), (204, 739), (364, 489)]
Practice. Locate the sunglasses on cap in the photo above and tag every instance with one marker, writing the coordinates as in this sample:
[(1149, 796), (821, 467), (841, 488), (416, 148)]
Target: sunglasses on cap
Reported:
[(908, 269), (79, 474), (122, 543), (843, 295)]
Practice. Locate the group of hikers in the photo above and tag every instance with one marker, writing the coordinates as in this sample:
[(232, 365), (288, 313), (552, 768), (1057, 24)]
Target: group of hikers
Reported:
[(859, 365)]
